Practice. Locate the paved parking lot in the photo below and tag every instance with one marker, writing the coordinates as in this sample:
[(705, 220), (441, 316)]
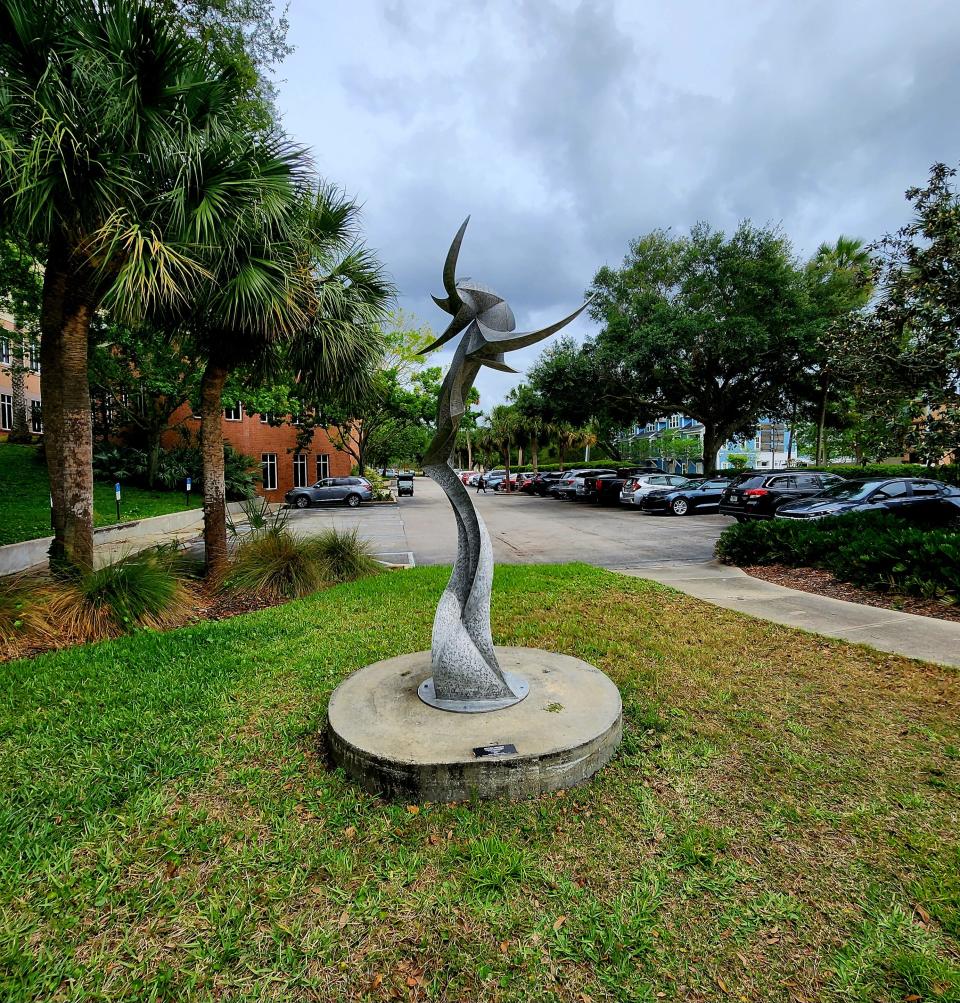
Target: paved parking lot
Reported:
[(531, 530)]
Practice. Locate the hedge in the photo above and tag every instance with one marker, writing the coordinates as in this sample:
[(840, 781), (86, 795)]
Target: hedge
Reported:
[(877, 550)]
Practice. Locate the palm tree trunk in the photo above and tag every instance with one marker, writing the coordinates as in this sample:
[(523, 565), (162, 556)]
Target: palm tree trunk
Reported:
[(66, 312), (469, 451), (506, 466), (534, 453), (214, 487), (821, 426)]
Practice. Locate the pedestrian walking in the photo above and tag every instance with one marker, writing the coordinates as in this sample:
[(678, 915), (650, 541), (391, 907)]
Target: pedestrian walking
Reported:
[(481, 484)]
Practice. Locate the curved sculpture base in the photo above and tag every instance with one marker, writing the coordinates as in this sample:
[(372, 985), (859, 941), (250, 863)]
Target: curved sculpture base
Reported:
[(519, 687), (393, 744)]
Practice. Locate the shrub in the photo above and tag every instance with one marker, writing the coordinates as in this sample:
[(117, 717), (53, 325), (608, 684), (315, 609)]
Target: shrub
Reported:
[(345, 554), (140, 590), (380, 485), (276, 564), (119, 463), (875, 549)]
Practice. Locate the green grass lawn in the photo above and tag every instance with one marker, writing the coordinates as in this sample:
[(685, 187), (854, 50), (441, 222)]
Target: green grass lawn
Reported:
[(782, 821), (25, 498)]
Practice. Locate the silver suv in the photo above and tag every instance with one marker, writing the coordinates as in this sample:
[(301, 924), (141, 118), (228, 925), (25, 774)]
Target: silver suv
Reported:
[(349, 490)]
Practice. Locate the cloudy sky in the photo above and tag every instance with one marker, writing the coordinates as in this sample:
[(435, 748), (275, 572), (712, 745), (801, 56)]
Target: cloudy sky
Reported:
[(566, 128)]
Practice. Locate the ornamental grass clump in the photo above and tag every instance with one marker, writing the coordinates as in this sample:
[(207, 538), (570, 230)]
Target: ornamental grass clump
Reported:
[(346, 555), (139, 590), (278, 565), (22, 619)]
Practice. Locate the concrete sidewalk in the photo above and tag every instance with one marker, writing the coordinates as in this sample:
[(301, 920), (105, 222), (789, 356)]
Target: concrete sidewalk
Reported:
[(889, 630)]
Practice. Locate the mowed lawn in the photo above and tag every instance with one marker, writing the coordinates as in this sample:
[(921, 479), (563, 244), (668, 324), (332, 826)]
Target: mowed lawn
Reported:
[(25, 498), (782, 821)]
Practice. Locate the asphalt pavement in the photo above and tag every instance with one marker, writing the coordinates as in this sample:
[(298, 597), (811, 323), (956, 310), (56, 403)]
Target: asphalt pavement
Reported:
[(526, 529)]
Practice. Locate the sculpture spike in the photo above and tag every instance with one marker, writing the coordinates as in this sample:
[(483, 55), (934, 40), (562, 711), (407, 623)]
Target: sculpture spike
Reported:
[(508, 341)]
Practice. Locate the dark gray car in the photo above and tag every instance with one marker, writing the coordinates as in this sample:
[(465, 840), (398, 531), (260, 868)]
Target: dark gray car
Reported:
[(349, 490)]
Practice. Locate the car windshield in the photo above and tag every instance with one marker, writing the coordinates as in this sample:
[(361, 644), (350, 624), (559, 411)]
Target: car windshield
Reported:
[(851, 490)]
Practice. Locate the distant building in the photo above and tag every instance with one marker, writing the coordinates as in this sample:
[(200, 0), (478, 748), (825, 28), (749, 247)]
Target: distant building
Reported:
[(768, 448)]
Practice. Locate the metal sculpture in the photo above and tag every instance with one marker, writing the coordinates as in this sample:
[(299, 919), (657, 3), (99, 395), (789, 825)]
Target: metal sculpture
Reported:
[(466, 676)]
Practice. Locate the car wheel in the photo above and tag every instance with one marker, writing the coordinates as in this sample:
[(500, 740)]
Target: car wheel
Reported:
[(302, 501), (353, 500), (679, 506)]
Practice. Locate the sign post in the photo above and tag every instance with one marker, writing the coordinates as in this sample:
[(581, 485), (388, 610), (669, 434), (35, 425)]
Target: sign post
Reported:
[(116, 489), (189, 486)]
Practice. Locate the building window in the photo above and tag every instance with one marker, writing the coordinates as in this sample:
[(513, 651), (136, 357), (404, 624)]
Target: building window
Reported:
[(6, 412), (34, 361), (36, 417), (675, 420), (234, 412), (269, 463), (299, 470), (267, 418), (5, 354), (323, 465)]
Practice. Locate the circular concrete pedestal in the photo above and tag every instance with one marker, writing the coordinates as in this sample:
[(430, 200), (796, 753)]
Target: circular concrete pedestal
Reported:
[(392, 743)]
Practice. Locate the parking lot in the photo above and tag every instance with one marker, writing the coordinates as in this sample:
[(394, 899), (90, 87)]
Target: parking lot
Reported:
[(526, 529)]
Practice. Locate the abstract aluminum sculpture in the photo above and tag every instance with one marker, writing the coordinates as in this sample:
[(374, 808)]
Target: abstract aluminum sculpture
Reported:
[(466, 675)]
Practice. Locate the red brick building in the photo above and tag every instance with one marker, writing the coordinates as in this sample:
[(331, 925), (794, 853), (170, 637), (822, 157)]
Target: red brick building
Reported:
[(275, 447), (31, 361)]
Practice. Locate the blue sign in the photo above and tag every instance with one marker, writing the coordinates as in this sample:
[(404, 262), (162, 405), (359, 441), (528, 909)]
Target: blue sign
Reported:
[(116, 488), (189, 483)]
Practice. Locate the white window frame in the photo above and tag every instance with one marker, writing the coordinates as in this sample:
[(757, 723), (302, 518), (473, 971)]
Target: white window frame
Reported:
[(323, 466), (33, 358), (300, 470), (234, 408), (6, 412), (36, 417), (268, 464), (675, 420), (5, 353)]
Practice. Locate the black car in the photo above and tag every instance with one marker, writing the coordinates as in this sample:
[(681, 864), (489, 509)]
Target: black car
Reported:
[(758, 496), (913, 498), (690, 497)]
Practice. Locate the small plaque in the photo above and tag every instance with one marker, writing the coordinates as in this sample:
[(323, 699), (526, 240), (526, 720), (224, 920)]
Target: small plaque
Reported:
[(495, 750)]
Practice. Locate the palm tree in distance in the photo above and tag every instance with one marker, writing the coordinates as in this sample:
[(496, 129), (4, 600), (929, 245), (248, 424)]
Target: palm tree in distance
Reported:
[(113, 129), (839, 278), (290, 288)]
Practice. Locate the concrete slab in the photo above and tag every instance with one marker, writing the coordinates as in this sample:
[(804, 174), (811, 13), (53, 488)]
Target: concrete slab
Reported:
[(394, 744)]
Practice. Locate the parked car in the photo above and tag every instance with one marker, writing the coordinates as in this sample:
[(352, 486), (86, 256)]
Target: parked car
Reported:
[(917, 499), (635, 489), (404, 485), (573, 479), (525, 482), (543, 482), (493, 478), (758, 495), (692, 496), (349, 490), (471, 478), (389, 473), (501, 484), (605, 488)]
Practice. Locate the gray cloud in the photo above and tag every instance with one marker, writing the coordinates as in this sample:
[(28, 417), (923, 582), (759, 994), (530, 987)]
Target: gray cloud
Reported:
[(568, 128)]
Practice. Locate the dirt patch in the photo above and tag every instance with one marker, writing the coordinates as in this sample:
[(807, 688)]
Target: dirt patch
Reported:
[(823, 583)]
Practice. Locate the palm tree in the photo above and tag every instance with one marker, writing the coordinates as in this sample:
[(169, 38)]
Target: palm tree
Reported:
[(839, 280), (567, 437), (107, 121), (502, 429), (288, 288)]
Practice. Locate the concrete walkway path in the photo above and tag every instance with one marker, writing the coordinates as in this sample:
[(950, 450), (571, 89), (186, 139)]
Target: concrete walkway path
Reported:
[(889, 630)]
